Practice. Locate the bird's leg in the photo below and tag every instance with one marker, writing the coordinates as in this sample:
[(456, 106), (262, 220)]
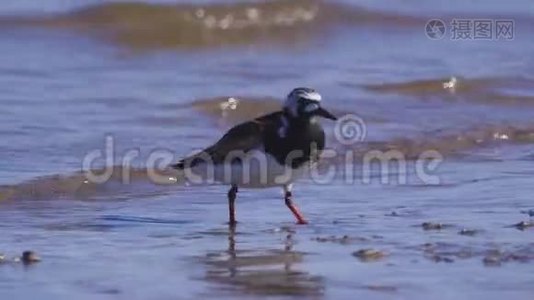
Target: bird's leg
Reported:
[(232, 193), (289, 202), (294, 209)]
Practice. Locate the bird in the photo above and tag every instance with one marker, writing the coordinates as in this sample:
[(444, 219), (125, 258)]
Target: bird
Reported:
[(270, 150)]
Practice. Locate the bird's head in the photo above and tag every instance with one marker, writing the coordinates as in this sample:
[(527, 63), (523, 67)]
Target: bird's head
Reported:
[(305, 103)]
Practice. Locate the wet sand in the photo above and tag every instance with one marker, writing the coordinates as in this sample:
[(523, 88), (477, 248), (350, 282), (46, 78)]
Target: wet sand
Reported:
[(426, 239)]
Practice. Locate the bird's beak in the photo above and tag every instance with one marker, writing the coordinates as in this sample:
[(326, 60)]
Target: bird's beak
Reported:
[(325, 114)]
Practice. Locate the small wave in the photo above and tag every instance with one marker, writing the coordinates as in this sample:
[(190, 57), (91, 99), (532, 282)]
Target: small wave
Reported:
[(500, 91), (149, 26), (134, 219), (139, 183), (234, 110), (123, 184), (456, 143)]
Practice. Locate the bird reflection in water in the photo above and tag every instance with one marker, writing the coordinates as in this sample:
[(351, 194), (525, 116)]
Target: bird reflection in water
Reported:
[(261, 272)]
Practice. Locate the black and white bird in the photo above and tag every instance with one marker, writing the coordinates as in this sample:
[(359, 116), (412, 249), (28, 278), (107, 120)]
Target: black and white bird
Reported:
[(271, 150)]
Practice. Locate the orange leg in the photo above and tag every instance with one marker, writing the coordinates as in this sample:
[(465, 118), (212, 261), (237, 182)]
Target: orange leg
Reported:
[(293, 208), (232, 195)]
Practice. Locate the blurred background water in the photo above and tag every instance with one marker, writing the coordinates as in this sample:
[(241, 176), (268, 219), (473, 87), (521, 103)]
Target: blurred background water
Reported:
[(153, 74)]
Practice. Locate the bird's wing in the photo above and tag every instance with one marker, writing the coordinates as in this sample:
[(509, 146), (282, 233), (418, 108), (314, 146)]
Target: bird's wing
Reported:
[(243, 137)]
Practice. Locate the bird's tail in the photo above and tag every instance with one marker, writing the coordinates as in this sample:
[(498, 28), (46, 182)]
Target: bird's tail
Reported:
[(192, 160)]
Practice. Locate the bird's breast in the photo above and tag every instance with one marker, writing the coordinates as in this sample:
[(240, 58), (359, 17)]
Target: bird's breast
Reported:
[(298, 146)]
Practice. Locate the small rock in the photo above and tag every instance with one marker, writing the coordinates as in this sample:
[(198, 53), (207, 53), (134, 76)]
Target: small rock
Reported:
[(392, 214), (523, 225), (367, 255), (468, 232), (517, 257), (529, 212), (29, 257), (492, 260), (440, 258), (448, 260), (2, 258), (381, 288), (432, 226), (343, 240)]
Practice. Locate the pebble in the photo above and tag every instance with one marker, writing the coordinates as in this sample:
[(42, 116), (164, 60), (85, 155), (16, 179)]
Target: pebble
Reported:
[(29, 257), (523, 225), (440, 258), (492, 260), (343, 240), (381, 288), (366, 255), (432, 226), (468, 232)]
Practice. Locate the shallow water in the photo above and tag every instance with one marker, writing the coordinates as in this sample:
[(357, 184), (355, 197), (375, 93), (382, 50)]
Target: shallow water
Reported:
[(153, 76)]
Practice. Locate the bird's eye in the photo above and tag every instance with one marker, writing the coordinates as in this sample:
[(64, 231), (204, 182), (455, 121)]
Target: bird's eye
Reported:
[(311, 107)]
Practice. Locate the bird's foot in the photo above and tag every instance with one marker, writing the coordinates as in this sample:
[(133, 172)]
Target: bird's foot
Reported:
[(302, 222)]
